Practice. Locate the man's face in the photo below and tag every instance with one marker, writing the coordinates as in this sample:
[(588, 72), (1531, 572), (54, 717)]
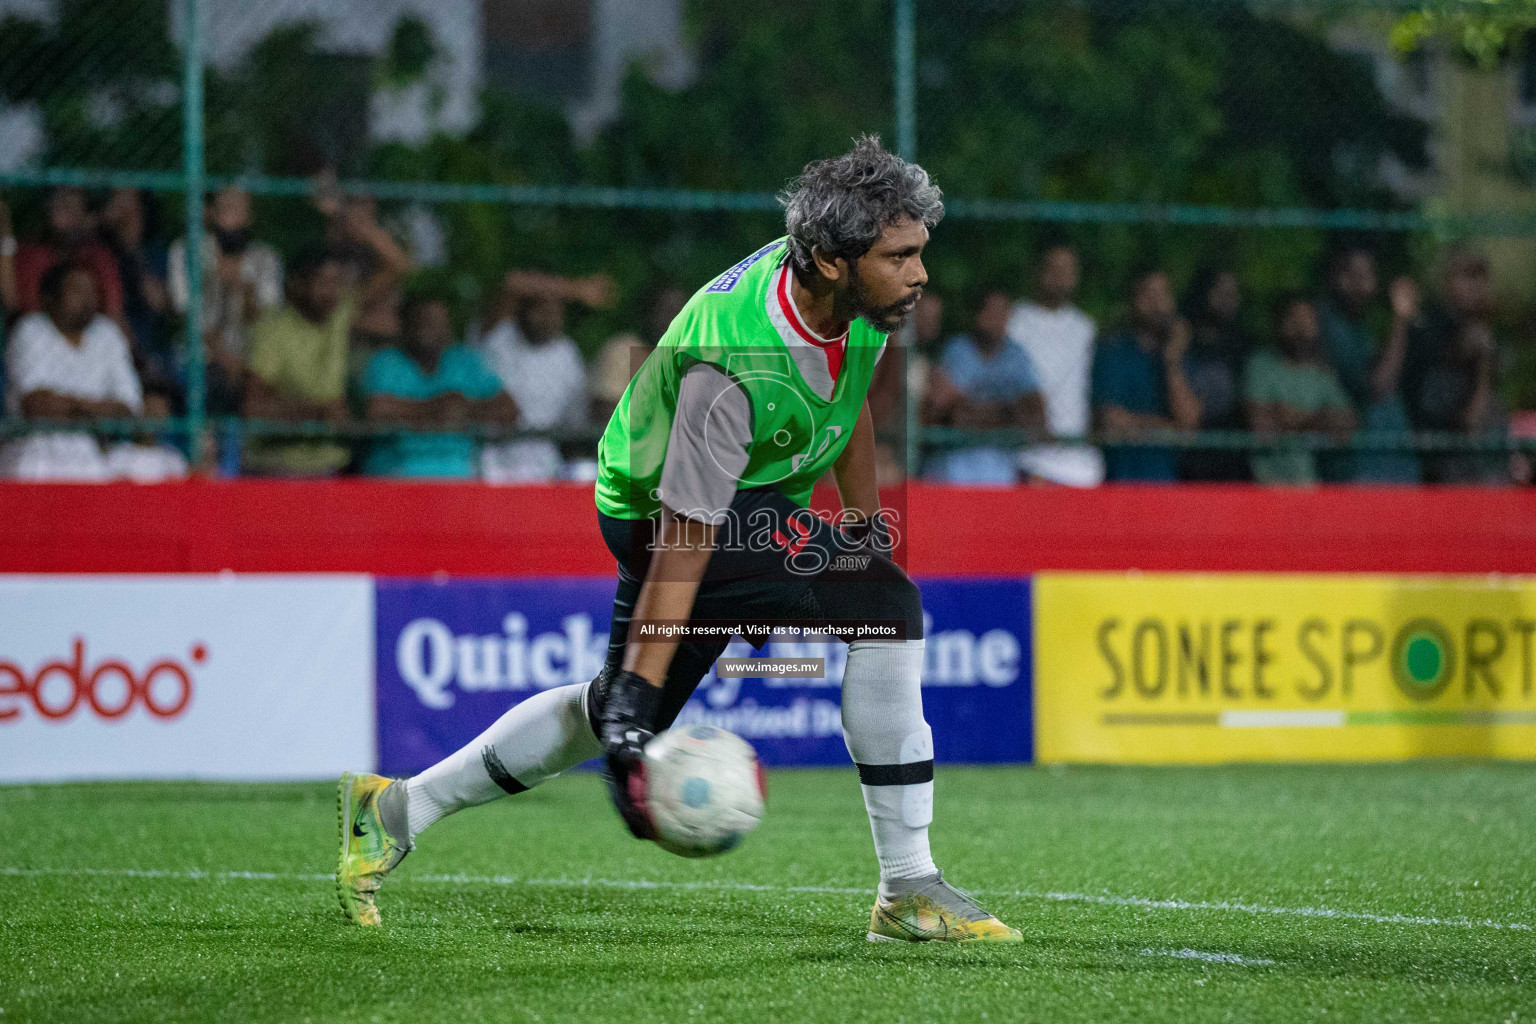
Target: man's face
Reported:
[(68, 216), (992, 317), (231, 209), (125, 214), (75, 307), (1466, 286), (1299, 330), (323, 292), (1058, 275), (429, 329), (1152, 302), (1225, 297), (1354, 281), (885, 283), (543, 319)]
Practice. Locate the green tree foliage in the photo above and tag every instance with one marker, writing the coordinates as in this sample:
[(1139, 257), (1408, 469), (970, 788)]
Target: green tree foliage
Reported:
[(1485, 30), (1156, 102), (104, 74), (1097, 101)]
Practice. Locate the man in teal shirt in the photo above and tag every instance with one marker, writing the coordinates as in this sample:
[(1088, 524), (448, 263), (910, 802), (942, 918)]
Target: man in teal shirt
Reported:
[(430, 382), (1141, 385)]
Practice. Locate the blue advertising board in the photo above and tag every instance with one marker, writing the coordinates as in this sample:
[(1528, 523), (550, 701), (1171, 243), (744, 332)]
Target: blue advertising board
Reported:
[(454, 655)]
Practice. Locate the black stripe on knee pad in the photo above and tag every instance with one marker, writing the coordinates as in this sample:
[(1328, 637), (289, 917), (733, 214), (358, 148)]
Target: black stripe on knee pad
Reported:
[(910, 774), (597, 698), (498, 772)]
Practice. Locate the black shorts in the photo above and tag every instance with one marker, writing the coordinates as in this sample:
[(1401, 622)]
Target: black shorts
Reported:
[(775, 564)]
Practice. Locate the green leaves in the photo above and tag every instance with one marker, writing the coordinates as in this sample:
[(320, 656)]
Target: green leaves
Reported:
[(1484, 30)]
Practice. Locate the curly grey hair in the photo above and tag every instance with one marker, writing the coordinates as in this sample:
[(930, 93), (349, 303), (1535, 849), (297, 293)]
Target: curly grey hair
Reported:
[(841, 205)]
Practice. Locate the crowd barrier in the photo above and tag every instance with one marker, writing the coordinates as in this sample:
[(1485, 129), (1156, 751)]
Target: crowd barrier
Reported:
[(404, 529), (239, 648)]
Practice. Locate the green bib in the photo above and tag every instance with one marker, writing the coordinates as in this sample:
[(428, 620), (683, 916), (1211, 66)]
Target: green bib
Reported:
[(742, 323)]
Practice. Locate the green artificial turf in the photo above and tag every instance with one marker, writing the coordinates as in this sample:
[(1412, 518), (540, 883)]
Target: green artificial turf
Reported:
[(1403, 893)]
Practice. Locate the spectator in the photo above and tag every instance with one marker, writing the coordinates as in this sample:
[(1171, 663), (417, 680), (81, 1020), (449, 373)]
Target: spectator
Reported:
[(1141, 384), (430, 382), (901, 375), (71, 238), (1448, 374), (242, 279), (542, 370), (618, 360), (1058, 338), (594, 290), (981, 383), (894, 382), (1294, 391), (1218, 350), (68, 362), (7, 279), (7, 265), (298, 369), (141, 274), (366, 251), (1370, 374)]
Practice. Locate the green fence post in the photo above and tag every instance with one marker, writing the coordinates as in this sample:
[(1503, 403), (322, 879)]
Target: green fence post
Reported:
[(906, 124), (906, 148), (192, 172)]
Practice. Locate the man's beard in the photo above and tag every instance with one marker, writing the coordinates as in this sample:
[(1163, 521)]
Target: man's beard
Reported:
[(885, 319)]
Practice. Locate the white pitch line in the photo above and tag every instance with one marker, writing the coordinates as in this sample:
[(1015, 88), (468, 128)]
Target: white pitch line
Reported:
[(1210, 958), (193, 875), (1327, 913), (1260, 908)]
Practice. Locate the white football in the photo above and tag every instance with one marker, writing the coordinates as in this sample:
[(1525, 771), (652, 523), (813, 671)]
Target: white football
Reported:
[(704, 789)]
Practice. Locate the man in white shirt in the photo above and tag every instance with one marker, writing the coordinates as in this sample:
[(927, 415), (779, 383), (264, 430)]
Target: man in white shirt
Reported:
[(1059, 339), (70, 363), (543, 371)]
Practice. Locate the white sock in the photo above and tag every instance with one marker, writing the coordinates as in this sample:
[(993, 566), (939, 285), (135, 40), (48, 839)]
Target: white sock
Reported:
[(533, 742), (893, 747)]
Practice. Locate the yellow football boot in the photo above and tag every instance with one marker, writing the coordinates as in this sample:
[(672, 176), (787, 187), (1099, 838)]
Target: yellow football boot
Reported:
[(935, 911), (368, 851)]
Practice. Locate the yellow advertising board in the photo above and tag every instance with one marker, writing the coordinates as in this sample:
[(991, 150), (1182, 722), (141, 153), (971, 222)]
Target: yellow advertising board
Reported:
[(1177, 668)]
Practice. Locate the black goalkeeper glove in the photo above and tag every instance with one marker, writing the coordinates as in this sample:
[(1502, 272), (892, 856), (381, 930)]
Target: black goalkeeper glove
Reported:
[(628, 722)]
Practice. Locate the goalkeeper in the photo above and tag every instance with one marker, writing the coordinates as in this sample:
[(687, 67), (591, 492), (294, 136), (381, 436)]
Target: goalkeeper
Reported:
[(706, 469)]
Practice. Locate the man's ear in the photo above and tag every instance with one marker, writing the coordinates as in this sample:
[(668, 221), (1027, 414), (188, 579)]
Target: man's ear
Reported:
[(833, 268)]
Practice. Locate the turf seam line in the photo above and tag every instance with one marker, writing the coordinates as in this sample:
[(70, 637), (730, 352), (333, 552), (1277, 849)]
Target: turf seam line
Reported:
[(1325, 913)]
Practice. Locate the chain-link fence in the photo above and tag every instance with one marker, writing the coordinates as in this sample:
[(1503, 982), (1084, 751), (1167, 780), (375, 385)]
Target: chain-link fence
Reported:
[(562, 168)]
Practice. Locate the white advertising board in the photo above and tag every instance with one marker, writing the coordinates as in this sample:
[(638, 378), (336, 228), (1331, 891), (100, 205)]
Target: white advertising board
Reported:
[(209, 677)]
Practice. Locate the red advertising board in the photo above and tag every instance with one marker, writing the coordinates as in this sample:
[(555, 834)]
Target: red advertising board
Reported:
[(416, 529)]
